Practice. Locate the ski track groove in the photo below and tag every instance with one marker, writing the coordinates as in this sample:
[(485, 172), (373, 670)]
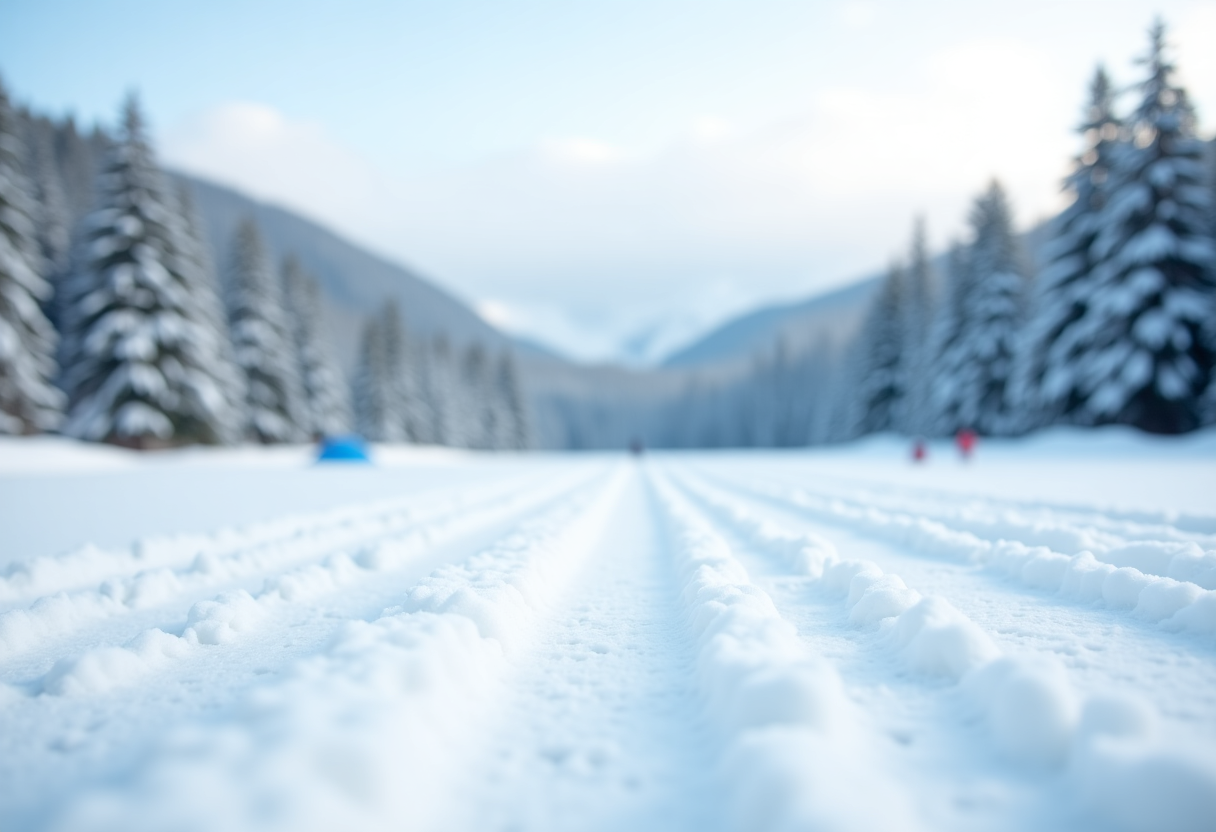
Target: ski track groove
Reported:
[(1188, 523), (1171, 604), (295, 570), (1041, 524), (440, 648), (1031, 523), (643, 645), (1030, 620), (932, 728), (986, 677), (86, 722), (600, 710), (88, 566)]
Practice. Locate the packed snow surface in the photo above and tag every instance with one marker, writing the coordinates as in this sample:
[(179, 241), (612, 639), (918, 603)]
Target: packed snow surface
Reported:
[(802, 640)]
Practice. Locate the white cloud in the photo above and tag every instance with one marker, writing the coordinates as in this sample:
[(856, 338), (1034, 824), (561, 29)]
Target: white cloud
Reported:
[(857, 14), (581, 242), (711, 129), (581, 151), (267, 155)]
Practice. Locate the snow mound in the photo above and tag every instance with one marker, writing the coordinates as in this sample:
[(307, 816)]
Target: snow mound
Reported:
[(798, 756)]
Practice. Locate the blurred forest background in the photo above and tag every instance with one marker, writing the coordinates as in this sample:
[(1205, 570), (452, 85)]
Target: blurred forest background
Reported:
[(148, 308)]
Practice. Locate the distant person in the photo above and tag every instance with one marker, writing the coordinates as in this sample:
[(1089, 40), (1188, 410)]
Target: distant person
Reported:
[(919, 451), (636, 447), (965, 440)]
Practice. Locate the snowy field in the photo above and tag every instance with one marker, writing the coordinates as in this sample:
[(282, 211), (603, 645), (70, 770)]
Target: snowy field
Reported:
[(832, 639)]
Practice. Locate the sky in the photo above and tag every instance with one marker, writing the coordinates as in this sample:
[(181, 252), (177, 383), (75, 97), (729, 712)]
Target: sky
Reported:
[(610, 178)]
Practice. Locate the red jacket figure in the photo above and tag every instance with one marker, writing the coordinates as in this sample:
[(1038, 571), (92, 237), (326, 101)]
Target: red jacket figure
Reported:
[(965, 439)]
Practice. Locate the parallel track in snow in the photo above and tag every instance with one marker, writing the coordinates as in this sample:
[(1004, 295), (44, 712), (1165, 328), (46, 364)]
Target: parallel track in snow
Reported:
[(671, 644)]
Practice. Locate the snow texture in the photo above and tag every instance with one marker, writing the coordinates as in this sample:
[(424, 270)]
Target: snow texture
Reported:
[(783, 641)]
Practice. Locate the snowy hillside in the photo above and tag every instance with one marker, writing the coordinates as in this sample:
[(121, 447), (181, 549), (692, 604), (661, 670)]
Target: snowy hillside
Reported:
[(840, 639), (831, 316), (355, 281)]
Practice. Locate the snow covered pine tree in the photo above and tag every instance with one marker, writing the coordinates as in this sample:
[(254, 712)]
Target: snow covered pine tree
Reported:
[(513, 429), (324, 389), (53, 221), (195, 261), (1144, 349), (1047, 385), (369, 387), (879, 385), (394, 379), (381, 390), (139, 362), (917, 319), (983, 312), (29, 402), (479, 411), (261, 342)]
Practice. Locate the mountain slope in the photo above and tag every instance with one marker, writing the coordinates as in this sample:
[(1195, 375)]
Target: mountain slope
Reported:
[(834, 314), (354, 281)]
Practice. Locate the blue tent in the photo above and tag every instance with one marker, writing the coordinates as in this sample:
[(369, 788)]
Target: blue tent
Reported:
[(349, 448)]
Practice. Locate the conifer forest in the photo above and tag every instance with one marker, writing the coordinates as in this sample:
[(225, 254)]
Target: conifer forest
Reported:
[(121, 324)]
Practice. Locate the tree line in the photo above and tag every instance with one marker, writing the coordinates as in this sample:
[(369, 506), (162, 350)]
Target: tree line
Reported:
[(116, 326), (1118, 327)]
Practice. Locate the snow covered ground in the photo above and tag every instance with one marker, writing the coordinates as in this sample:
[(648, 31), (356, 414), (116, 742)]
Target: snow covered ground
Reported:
[(832, 639)]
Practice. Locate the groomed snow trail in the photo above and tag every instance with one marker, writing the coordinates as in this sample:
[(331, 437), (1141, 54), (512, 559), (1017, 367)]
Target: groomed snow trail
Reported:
[(1063, 707), (744, 643), (91, 677), (600, 728), (1106, 647)]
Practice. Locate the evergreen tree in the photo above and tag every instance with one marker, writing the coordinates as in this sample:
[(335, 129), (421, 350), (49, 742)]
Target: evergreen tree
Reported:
[(195, 263), (394, 378), (390, 387), (1143, 352), (441, 392), (980, 323), (947, 345), (879, 384), (992, 315), (1047, 381), (371, 411), (417, 409), (29, 402), (513, 424), (324, 391), (53, 220), (79, 159), (1209, 404), (139, 358), (262, 342), (916, 331), (479, 410)]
